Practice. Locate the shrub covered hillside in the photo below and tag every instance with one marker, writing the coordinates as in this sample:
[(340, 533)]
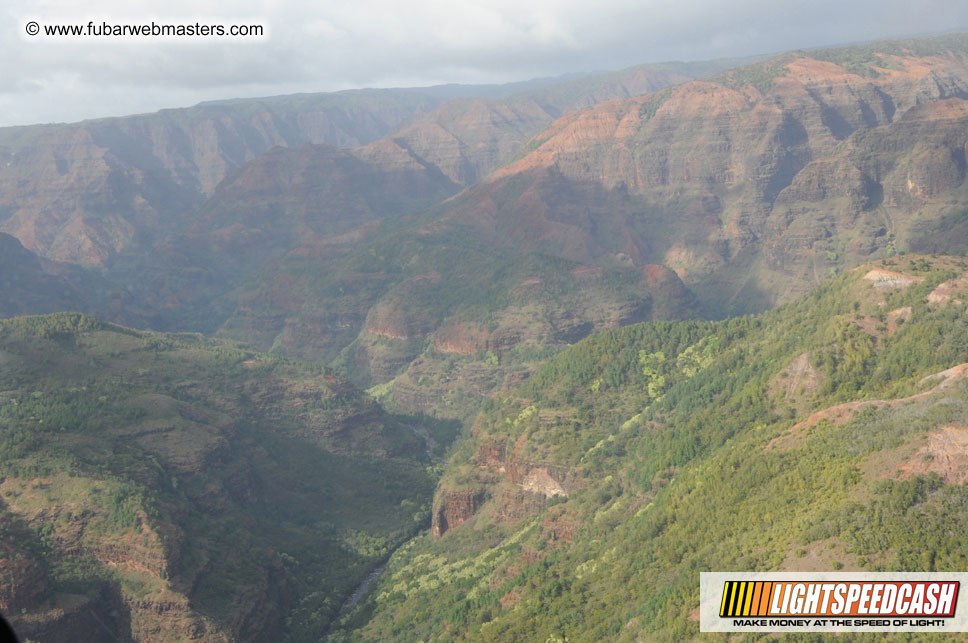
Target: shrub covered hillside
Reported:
[(169, 487), (828, 434)]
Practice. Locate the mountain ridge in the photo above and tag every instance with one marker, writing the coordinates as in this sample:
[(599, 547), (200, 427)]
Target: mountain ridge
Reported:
[(139, 171)]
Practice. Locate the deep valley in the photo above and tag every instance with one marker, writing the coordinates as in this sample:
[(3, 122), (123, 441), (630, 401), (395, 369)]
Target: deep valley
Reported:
[(495, 363)]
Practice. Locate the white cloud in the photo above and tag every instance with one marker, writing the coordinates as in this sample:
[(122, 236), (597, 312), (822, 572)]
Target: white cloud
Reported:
[(322, 46)]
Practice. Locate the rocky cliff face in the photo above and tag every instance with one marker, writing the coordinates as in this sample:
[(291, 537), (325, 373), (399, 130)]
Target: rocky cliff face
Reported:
[(87, 192), (466, 139), (798, 161), (453, 508)]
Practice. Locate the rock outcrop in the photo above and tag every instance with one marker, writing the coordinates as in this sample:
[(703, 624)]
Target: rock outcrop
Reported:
[(519, 487), (452, 508), (944, 453)]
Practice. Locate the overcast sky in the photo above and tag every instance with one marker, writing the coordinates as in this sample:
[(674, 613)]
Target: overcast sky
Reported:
[(320, 45)]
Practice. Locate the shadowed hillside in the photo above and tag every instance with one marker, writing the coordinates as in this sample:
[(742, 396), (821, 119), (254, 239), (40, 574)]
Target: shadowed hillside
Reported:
[(175, 486)]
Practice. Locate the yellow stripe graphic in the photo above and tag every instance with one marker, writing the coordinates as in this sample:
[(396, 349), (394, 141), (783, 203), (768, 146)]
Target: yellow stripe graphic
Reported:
[(747, 598)]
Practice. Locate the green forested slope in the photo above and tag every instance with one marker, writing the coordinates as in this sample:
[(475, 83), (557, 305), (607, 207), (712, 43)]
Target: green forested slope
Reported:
[(586, 502)]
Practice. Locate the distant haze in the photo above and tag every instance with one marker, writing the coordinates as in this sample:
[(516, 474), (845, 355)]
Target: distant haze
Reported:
[(326, 45)]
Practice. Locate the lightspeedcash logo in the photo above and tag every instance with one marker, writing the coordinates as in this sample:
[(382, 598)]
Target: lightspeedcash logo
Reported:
[(861, 598), (832, 602)]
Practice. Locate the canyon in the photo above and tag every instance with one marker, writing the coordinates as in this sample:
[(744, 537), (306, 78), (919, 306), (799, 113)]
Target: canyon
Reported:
[(476, 328)]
